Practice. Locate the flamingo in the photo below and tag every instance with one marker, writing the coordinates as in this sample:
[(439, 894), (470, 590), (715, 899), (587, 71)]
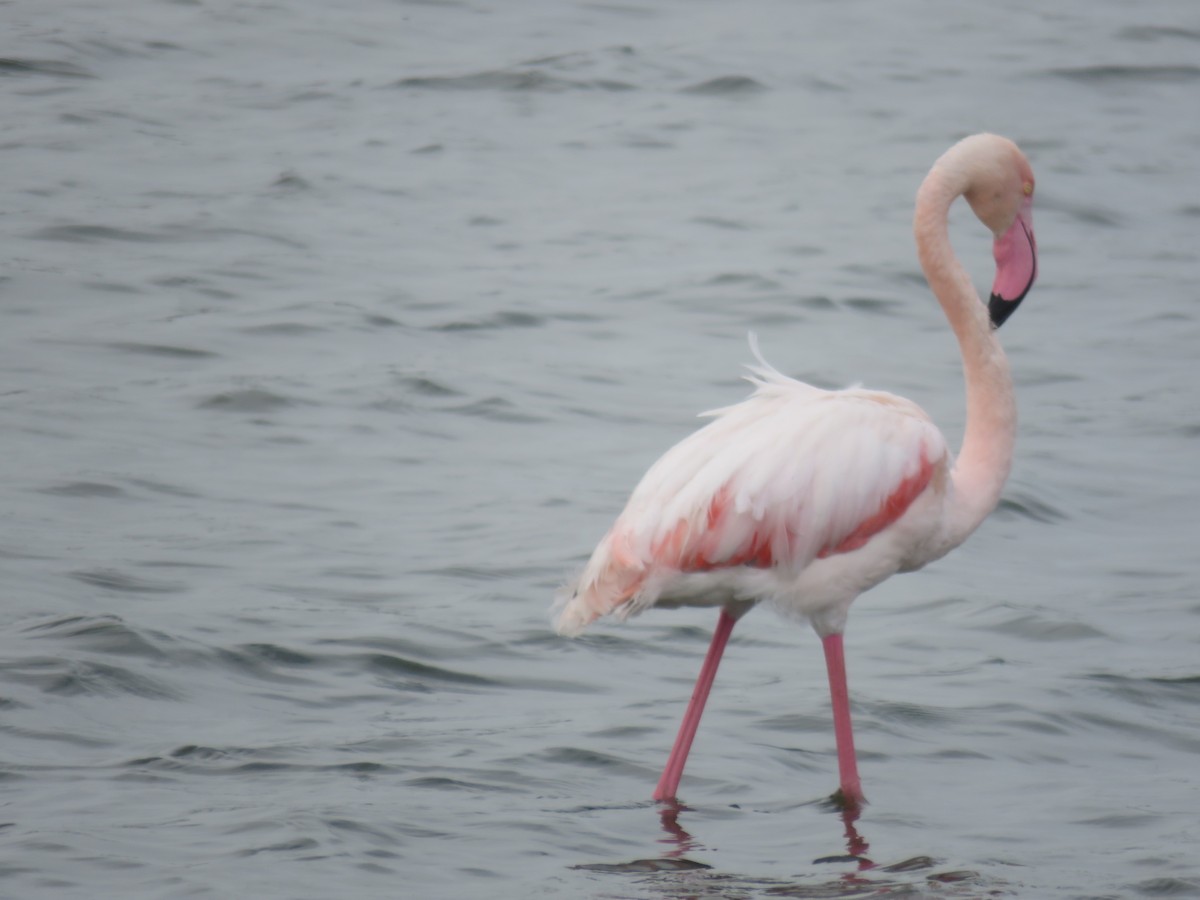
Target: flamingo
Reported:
[(805, 497)]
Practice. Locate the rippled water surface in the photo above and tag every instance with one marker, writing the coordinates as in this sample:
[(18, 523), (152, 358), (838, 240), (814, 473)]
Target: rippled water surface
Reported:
[(333, 338)]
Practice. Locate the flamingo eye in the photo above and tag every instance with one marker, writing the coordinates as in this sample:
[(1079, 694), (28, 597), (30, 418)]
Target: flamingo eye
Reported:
[(1027, 187)]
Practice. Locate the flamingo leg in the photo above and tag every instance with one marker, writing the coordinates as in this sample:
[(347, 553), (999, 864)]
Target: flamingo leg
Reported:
[(835, 663), (669, 783)]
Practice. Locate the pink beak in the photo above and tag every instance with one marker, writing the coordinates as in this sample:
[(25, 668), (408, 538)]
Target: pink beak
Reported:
[(1016, 265)]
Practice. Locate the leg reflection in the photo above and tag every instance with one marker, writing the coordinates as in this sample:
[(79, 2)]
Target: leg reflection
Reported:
[(856, 844), (683, 842)]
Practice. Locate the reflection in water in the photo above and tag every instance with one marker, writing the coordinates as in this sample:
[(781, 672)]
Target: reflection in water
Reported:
[(856, 844), (683, 842), (703, 881)]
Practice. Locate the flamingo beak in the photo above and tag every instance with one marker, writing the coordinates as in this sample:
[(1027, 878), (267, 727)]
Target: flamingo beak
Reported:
[(1016, 265)]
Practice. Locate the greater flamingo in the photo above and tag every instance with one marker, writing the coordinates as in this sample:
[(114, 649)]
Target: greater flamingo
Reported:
[(806, 497)]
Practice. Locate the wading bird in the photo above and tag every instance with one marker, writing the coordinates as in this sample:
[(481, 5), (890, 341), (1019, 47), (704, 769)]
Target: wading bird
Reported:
[(805, 497)]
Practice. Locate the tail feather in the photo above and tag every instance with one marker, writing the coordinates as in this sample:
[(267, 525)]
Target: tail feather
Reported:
[(611, 583), (570, 617)]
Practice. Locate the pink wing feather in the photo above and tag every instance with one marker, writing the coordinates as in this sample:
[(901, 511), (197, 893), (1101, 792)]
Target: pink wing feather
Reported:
[(789, 475)]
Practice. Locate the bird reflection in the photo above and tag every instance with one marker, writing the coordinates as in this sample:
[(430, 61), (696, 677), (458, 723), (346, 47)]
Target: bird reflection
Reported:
[(673, 869), (682, 842)]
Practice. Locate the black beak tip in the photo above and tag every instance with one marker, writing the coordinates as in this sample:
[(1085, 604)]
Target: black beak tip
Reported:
[(1000, 309)]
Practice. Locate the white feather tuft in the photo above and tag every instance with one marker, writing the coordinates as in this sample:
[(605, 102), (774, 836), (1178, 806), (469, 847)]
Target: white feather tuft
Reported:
[(568, 621)]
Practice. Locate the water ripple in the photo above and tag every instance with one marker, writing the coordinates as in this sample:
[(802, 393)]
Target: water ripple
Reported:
[(248, 400), (1034, 627), (103, 634), (498, 410), (11, 65), (1167, 887), (875, 306), (1157, 32), (85, 489), (68, 677), (170, 233), (424, 386), (200, 760), (1023, 505), (86, 234), (726, 86), (115, 580), (518, 79), (1156, 692), (408, 674), (165, 350), (504, 319), (1107, 74), (641, 866)]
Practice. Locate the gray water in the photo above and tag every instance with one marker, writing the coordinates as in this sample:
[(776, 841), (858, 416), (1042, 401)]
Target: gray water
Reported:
[(333, 339)]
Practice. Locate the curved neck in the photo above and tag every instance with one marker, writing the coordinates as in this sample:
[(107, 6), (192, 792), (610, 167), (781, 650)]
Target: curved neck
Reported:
[(987, 449)]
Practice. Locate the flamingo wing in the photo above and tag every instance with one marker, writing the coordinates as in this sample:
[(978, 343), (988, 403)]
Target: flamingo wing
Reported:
[(789, 475)]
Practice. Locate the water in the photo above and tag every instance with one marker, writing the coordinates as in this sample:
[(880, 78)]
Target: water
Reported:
[(334, 338)]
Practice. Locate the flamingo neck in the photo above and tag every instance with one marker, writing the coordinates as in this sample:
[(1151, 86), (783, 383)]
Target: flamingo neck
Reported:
[(986, 455)]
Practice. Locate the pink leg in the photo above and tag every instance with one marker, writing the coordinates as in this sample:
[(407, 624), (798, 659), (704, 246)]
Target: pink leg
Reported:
[(835, 662), (669, 783)]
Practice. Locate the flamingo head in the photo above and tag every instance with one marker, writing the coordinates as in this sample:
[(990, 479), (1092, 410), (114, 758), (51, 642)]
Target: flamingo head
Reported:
[(1001, 195)]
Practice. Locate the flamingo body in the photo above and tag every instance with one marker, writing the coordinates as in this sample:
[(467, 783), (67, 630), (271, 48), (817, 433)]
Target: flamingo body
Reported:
[(805, 497), (762, 503)]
